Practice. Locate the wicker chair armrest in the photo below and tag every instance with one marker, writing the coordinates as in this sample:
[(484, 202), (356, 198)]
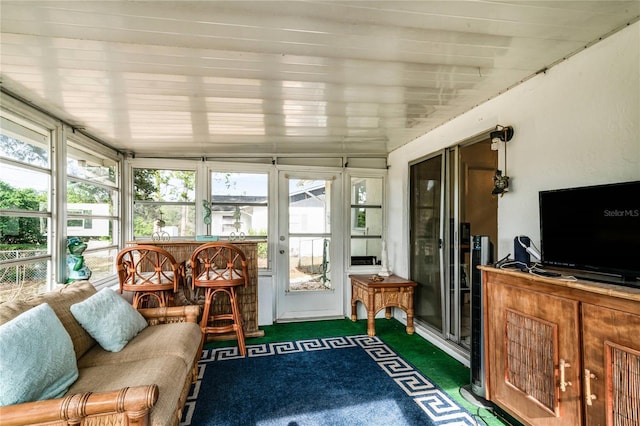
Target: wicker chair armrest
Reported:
[(187, 313), (132, 404)]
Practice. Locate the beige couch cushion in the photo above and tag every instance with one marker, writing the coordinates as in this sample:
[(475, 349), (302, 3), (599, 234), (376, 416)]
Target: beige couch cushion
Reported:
[(60, 301), (180, 340), (10, 310), (166, 372)]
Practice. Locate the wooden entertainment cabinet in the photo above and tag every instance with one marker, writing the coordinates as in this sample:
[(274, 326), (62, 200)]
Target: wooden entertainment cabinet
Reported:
[(561, 352)]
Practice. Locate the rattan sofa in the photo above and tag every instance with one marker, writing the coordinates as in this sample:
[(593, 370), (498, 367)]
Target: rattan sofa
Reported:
[(146, 383)]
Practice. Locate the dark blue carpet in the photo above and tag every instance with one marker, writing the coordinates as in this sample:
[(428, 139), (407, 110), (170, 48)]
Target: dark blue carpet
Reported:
[(356, 380)]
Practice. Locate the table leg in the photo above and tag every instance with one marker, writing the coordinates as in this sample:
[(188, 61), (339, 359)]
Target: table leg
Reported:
[(371, 324), (387, 313), (371, 312), (354, 312), (410, 329)]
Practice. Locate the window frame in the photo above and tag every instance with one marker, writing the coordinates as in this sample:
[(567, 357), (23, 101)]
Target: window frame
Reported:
[(246, 168), (59, 134), (159, 164), (351, 212), (90, 150), (41, 125)]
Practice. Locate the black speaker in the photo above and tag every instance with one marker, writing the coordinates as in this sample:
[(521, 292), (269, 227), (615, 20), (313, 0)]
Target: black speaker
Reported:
[(520, 245), (481, 254)]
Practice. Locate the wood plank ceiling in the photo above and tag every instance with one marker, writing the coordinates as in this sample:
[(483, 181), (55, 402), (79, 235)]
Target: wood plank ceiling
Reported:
[(203, 78)]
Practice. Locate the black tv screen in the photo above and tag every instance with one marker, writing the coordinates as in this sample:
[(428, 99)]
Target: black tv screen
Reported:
[(594, 228)]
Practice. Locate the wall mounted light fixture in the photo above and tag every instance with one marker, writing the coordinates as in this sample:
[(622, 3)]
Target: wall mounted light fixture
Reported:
[(501, 134), (501, 181)]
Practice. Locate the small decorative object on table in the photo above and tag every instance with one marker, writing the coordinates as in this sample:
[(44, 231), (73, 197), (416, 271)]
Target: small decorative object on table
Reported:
[(384, 267), (160, 234), (78, 270), (206, 212)]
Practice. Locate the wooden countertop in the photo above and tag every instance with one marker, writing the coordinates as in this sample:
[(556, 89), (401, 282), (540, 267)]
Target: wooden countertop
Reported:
[(612, 290), (186, 241)]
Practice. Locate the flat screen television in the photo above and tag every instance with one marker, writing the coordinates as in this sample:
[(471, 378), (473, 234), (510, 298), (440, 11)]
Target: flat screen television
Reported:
[(595, 229)]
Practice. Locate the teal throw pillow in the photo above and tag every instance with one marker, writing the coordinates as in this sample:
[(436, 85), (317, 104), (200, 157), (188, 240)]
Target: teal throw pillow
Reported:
[(109, 319), (37, 360)]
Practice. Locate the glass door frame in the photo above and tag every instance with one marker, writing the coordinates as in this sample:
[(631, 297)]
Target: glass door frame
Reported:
[(449, 243), (440, 243), (454, 192), (452, 245), (311, 304)]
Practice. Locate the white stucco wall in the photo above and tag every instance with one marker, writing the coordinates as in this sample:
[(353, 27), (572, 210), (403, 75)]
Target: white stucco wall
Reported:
[(577, 124)]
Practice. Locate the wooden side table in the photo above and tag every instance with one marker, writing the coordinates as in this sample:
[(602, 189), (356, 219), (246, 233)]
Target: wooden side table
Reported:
[(393, 291)]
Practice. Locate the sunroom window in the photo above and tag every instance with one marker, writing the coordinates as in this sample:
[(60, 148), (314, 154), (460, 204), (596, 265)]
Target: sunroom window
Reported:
[(240, 208), (92, 207), (366, 220), (25, 213), (164, 203)]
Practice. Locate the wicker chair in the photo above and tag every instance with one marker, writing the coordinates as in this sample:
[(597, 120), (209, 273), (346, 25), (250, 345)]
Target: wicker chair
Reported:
[(220, 268), (151, 273)]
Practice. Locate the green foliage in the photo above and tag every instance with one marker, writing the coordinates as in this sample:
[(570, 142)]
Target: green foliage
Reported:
[(19, 150), (164, 185), (80, 192), (142, 227), (20, 230), (263, 250), (361, 218), (145, 184), (154, 185), (187, 180)]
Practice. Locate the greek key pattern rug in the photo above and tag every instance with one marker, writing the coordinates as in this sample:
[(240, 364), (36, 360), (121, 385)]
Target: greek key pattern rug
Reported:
[(439, 408)]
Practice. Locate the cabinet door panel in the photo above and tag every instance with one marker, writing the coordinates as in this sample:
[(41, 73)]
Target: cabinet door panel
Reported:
[(530, 335), (612, 357)]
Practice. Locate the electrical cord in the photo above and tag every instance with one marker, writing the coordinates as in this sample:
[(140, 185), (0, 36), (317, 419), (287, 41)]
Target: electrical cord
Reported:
[(540, 272), (568, 278), (473, 416), (534, 269), (483, 418), (513, 264)]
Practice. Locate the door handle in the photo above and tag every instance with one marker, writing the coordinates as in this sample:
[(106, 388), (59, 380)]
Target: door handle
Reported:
[(563, 382), (588, 375)]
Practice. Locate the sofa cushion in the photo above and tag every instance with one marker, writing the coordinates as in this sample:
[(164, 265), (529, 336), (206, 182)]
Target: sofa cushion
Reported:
[(60, 300), (174, 339), (37, 360), (109, 319), (10, 310), (166, 372)]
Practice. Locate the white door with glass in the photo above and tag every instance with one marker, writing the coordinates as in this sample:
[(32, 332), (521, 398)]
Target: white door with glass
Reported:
[(309, 254)]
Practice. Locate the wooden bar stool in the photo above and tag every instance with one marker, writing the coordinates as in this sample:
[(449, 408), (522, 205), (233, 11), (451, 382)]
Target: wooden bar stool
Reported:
[(220, 268), (151, 273)]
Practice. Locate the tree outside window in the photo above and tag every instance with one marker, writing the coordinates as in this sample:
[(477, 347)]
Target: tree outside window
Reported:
[(25, 178), (167, 195)]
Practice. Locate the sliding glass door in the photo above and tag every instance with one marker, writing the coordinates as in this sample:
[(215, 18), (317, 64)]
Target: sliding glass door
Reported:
[(426, 240), (473, 210), (450, 201)]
